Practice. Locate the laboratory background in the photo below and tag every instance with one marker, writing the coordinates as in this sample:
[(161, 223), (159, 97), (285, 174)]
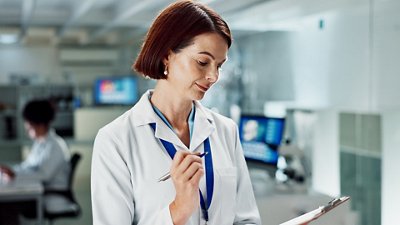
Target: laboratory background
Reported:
[(313, 86)]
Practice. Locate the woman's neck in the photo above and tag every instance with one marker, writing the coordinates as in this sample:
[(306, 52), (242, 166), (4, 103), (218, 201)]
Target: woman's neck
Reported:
[(175, 108), (41, 133)]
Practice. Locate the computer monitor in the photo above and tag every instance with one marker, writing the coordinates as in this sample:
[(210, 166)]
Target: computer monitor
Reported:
[(120, 90), (261, 137)]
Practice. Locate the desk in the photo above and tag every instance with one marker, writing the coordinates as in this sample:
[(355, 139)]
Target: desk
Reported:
[(278, 203), (22, 190)]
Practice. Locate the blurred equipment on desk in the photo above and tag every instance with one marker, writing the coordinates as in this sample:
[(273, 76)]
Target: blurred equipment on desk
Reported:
[(291, 164)]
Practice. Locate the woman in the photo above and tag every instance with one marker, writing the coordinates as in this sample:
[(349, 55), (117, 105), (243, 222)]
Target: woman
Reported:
[(167, 130), (47, 162)]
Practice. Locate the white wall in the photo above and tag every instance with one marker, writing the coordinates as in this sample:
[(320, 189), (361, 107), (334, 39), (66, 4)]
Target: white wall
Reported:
[(88, 121), (351, 63), (42, 60), (386, 54), (51, 63), (387, 67), (326, 161), (313, 66), (390, 167), (331, 64)]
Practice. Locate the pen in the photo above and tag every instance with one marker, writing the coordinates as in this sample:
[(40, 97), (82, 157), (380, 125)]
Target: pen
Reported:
[(168, 175)]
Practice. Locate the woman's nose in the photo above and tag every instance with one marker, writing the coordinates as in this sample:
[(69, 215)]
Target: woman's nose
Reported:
[(212, 76)]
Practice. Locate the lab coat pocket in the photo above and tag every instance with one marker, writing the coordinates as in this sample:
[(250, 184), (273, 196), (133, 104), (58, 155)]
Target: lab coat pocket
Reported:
[(151, 195), (227, 193)]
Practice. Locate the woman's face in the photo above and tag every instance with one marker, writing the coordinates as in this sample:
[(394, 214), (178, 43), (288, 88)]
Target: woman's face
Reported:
[(35, 131), (194, 69), (31, 129)]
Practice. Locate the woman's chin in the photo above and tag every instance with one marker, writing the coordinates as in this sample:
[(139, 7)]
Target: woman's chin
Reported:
[(199, 96)]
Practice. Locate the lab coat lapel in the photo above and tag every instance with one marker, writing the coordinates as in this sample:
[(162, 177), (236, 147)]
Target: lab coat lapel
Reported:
[(203, 127), (165, 133), (143, 115)]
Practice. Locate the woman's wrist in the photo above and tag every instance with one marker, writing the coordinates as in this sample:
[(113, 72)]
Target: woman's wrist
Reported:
[(177, 215)]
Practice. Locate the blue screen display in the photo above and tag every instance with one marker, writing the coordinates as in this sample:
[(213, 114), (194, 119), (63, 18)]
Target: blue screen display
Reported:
[(115, 91), (261, 137)]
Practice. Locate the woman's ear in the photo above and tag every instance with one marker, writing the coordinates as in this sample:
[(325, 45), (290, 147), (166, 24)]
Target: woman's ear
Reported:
[(166, 61), (167, 57)]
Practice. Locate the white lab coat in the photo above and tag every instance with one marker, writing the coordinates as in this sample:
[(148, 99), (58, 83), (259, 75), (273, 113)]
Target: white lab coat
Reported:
[(48, 162), (128, 159)]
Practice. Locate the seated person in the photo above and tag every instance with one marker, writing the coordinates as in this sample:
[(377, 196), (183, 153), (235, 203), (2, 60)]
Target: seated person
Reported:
[(48, 162)]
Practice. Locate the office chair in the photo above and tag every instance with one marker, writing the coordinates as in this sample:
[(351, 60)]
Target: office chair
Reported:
[(74, 209)]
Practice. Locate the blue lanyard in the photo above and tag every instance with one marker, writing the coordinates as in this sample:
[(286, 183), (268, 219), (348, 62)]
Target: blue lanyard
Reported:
[(209, 171)]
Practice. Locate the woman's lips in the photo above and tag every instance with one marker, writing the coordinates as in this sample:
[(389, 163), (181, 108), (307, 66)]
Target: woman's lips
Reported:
[(202, 88)]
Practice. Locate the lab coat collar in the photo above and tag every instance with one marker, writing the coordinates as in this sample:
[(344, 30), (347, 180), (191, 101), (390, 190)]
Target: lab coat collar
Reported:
[(50, 134), (143, 114), (203, 126)]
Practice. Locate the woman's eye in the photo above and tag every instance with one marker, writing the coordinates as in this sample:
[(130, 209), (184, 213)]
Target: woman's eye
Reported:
[(201, 63)]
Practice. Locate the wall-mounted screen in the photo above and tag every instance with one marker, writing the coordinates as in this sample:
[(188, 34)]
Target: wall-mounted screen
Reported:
[(115, 91), (261, 137)]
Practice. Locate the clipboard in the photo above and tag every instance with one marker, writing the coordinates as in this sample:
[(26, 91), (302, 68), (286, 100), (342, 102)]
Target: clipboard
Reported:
[(315, 214)]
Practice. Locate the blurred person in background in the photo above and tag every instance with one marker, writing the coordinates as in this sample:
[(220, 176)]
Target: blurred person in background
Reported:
[(47, 162)]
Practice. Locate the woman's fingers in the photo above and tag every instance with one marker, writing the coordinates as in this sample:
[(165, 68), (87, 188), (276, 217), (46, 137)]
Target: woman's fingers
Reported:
[(185, 165), (7, 174), (186, 172), (191, 171), (197, 175), (7, 171), (179, 156)]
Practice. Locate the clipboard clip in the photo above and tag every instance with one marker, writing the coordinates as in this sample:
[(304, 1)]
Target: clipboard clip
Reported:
[(335, 202), (315, 214)]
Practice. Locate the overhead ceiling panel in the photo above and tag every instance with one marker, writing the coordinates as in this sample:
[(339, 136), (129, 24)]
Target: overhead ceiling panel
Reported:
[(104, 19)]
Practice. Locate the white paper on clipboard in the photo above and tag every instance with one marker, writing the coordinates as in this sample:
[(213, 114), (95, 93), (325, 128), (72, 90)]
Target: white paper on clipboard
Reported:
[(315, 214)]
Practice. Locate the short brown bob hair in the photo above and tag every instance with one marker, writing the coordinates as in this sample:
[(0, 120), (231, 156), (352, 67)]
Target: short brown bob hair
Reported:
[(174, 29)]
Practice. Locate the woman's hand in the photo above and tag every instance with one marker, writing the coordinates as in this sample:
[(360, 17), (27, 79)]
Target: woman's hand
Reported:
[(7, 173), (186, 172)]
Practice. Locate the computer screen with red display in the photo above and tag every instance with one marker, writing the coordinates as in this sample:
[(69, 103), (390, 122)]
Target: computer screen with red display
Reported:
[(115, 91)]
